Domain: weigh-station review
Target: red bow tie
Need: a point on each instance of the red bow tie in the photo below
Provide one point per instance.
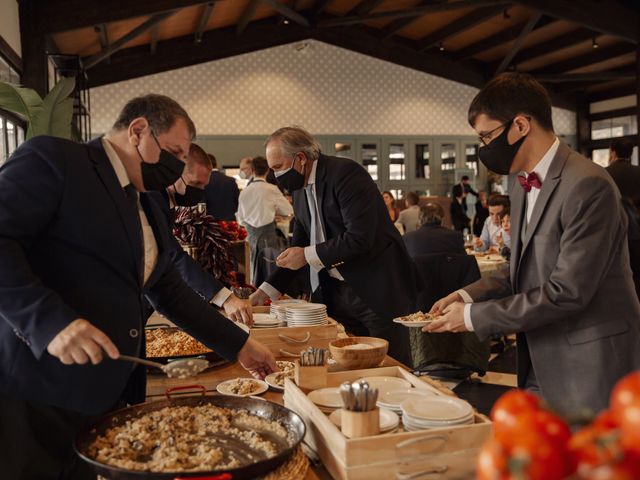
(531, 180)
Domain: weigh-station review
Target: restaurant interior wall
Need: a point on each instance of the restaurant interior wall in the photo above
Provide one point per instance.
(10, 24)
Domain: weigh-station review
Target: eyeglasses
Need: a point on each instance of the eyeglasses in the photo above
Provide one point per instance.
(486, 138)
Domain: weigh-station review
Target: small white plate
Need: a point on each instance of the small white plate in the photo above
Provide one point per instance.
(436, 409)
(386, 384)
(388, 419)
(225, 387)
(412, 324)
(326, 397)
(271, 381)
(393, 398)
(264, 319)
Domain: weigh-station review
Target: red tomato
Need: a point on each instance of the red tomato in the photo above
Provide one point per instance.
(629, 420)
(512, 403)
(539, 421)
(626, 392)
(605, 420)
(618, 471)
(534, 457)
(492, 461)
(594, 445)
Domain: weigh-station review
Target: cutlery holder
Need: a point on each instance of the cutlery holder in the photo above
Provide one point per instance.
(310, 378)
(360, 424)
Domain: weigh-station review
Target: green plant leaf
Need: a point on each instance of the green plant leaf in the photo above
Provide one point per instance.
(61, 119)
(24, 102)
(57, 111)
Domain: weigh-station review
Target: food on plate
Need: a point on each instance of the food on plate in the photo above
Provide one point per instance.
(417, 317)
(243, 386)
(279, 377)
(169, 342)
(285, 366)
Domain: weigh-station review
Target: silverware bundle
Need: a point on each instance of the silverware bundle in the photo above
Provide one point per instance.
(358, 396)
(313, 357)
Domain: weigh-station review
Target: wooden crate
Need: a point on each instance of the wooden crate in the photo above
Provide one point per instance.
(445, 452)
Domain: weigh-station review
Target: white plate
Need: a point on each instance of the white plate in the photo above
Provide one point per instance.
(306, 306)
(393, 398)
(412, 324)
(271, 381)
(264, 319)
(326, 397)
(224, 387)
(388, 419)
(436, 408)
(386, 384)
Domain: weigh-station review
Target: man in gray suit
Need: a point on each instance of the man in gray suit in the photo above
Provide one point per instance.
(569, 294)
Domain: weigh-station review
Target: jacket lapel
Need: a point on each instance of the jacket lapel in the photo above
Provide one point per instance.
(302, 209)
(320, 190)
(517, 217)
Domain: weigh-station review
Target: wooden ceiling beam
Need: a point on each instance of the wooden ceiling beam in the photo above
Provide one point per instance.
(462, 24)
(597, 55)
(364, 7)
(607, 76)
(246, 16)
(153, 46)
(558, 43)
(517, 45)
(400, 23)
(103, 38)
(616, 92)
(204, 21)
(611, 18)
(408, 12)
(319, 7)
(288, 12)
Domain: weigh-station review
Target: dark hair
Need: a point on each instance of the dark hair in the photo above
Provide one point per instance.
(259, 166)
(198, 156)
(388, 193)
(457, 190)
(412, 198)
(511, 94)
(505, 211)
(622, 147)
(496, 200)
(160, 111)
(464, 178)
(214, 162)
(431, 214)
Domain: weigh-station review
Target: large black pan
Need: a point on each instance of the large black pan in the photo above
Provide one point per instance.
(271, 411)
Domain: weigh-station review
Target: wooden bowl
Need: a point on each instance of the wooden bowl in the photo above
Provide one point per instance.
(370, 354)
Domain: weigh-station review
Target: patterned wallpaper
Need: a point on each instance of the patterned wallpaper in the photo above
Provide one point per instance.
(326, 89)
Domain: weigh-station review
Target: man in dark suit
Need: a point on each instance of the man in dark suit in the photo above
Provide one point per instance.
(432, 237)
(465, 187)
(458, 216)
(343, 231)
(221, 195)
(573, 308)
(81, 247)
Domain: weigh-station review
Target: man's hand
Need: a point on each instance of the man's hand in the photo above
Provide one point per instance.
(257, 359)
(292, 258)
(258, 297)
(478, 242)
(439, 307)
(238, 310)
(80, 342)
(452, 320)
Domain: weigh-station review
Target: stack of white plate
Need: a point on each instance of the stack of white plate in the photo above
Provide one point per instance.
(326, 399)
(264, 320)
(277, 308)
(386, 384)
(306, 314)
(389, 420)
(435, 412)
(392, 399)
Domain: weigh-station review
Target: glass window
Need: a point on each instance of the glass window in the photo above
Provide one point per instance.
(396, 162)
(369, 153)
(20, 135)
(447, 156)
(471, 157)
(601, 157)
(3, 152)
(423, 170)
(614, 127)
(397, 194)
(634, 156)
(344, 150)
(11, 138)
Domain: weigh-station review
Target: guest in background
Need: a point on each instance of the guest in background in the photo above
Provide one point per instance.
(221, 195)
(390, 203)
(432, 237)
(458, 217)
(492, 228)
(245, 172)
(482, 213)
(505, 246)
(409, 218)
(467, 189)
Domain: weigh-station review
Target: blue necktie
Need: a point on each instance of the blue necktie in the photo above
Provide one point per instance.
(316, 235)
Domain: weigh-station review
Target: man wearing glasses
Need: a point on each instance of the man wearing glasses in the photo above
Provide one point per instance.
(570, 301)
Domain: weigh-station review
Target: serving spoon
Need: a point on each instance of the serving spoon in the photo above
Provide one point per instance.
(188, 367)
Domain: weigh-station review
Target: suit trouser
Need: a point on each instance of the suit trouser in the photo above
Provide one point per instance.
(345, 306)
(36, 442)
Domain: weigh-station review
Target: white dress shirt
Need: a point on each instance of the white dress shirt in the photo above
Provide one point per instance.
(541, 169)
(260, 202)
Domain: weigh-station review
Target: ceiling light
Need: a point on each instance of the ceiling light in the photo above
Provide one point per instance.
(594, 43)
(441, 47)
(286, 21)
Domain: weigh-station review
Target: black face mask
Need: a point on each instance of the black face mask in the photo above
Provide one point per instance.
(158, 176)
(290, 180)
(498, 155)
(192, 196)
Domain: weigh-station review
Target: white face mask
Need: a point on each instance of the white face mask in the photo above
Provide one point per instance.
(242, 175)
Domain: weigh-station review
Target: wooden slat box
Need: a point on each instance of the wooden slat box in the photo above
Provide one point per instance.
(448, 452)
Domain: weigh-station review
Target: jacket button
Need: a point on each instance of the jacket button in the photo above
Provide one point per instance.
(133, 333)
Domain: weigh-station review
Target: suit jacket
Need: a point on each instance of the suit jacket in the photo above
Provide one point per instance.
(71, 248)
(191, 272)
(568, 294)
(429, 239)
(458, 217)
(627, 178)
(221, 196)
(361, 242)
(482, 213)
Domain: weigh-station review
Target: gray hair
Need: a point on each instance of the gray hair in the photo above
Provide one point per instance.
(431, 214)
(296, 139)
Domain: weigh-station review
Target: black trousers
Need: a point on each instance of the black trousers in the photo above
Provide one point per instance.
(345, 306)
(36, 442)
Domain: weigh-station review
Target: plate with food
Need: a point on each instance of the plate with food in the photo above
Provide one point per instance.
(276, 380)
(242, 387)
(415, 320)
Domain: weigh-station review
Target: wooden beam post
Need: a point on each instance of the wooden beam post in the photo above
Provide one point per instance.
(287, 12)
(246, 16)
(34, 47)
(517, 45)
(204, 20)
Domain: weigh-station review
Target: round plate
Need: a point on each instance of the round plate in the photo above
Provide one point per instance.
(271, 381)
(386, 384)
(264, 319)
(225, 387)
(393, 398)
(436, 409)
(412, 324)
(388, 419)
(326, 397)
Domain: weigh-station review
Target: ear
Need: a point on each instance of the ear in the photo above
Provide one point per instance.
(523, 124)
(136, 127)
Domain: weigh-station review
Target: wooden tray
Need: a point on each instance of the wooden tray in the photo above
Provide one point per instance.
(448, 452)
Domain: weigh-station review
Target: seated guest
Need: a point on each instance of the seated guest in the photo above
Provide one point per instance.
(432, 237)
(482, 213)
(458, 217)
(409, 218)
(505, 247)
(390, 203)
(492, 230)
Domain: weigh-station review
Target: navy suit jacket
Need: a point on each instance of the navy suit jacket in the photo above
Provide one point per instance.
(430, 239)
(221, 196)
(361, 242)
(70, 248)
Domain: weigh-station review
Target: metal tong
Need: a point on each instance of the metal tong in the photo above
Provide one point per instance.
(313, 357)
(358, 396)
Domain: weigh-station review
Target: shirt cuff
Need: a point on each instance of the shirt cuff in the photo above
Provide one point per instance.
(221, 297)
(273, 293)
(312, 258)
(466, 298)
(467, 317)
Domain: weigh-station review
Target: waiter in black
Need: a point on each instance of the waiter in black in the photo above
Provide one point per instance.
(343, 232)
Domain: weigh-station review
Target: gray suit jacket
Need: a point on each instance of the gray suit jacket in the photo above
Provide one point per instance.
(569, 294)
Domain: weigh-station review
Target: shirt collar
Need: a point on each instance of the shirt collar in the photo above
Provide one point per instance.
(312, 175)
(116, 163)
(542, 168)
